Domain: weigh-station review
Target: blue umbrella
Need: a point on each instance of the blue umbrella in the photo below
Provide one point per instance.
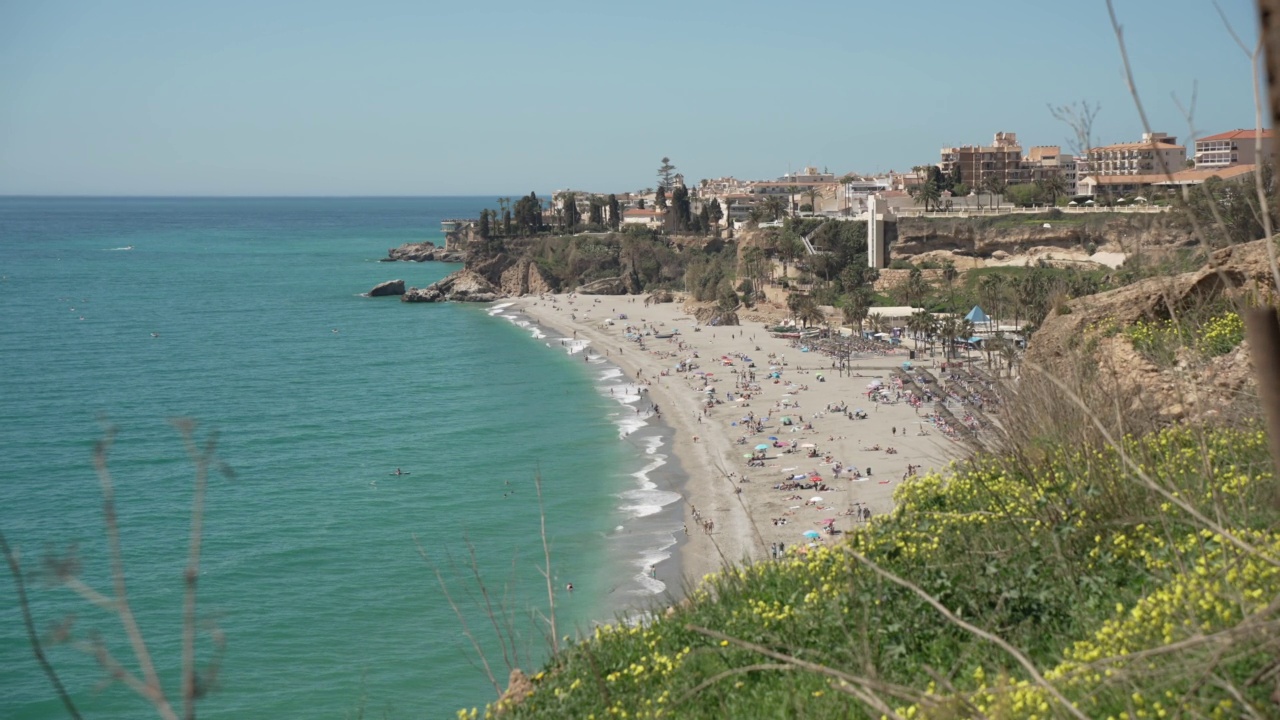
(812, 534)
(762, 446)
(773, 438)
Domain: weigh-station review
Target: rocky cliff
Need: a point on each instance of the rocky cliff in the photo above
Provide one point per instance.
(1018, 234)
(1088, 333)
(486, 281)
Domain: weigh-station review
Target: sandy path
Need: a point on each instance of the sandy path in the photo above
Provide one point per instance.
(706, 444)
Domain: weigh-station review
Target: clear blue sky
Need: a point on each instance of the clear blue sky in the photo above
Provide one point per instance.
(382, 97)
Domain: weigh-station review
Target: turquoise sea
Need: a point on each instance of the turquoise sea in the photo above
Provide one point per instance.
(246, 315)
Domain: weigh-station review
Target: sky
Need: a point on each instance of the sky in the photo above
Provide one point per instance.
(384, 97)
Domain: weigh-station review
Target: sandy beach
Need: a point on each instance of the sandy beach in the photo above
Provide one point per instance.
(751, 516)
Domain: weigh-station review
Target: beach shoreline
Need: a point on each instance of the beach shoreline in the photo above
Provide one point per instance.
(751, 518)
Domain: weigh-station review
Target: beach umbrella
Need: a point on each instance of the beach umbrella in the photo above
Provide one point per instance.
(828, 521)
(812, 534)
(762, 446)
(773, 437)
(815, 498)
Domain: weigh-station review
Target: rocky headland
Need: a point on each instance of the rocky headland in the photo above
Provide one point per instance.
(423, 252)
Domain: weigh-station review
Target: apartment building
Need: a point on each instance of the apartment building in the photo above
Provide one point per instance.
(1044, 161)
(1001, 159)
(1155, 153)
(1234, 147)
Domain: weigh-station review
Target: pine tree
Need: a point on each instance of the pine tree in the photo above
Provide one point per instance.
(660, 200)
(665, 172)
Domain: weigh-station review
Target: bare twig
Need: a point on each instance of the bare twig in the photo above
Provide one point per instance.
(730, 673)
(462, 620)
(154, 691)
(546, 552)
(192, 574)
(37, 649)
(875, 702)
(996, 639)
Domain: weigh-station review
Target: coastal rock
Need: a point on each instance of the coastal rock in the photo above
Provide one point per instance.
(390, 287)
(519, 687)
(462, 286)
(422, 252)
(524, 278)
(604, 286)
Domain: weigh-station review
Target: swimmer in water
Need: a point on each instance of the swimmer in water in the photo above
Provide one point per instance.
(569, 587)
(398, 472)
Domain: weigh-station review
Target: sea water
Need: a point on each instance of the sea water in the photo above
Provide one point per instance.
(321, 570)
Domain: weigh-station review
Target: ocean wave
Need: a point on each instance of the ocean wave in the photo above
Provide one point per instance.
(499, 308)
(611, 373)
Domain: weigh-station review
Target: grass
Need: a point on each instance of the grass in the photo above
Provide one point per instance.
(1128, 604)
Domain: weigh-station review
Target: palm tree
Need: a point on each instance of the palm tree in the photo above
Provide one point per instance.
(855, 307)
(774, 206)
(1053, 185)
(927, 194)
(877, 322)
(813, 194)
(949, 275)
(916, 286)
(996, 186)
(810, 314)
(792, 191)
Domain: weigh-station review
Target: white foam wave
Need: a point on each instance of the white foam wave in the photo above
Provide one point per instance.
(537, 334)
(610, 374)
(651, 444)
(576, 346)
(648, 501)
(649, 557)
(499, 308)
(628, 424)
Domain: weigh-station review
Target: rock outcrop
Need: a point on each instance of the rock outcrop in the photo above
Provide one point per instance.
(604, 286)
(1087, 332)
(986, 237)
(422, 252)
(523, 278)
(390, 287)
(462, 286)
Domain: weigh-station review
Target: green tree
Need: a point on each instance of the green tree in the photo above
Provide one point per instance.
(681, 213)
(1052, 187)
(1023, 195)
(813, 193)
(996, 186)
(774, 207)
(955, 180)
(949, 275)
(917, 287)
(665, 172)
(790, 248)
(595, 217)
(615, 212)
(855, 307)
(792, 191)
(484, 224)
(570, 216)
(927, 194)
(714, 214)
(660, 200)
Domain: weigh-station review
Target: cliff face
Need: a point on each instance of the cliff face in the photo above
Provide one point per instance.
(422, 252)
(486, 281)
(1017, 234)
(1088, 333)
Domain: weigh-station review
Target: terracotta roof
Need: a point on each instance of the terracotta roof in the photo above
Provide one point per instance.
(1138, 146)
(1180, 177)
(1236, 135)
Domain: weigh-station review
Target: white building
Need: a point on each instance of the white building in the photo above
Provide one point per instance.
(1235, 147)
